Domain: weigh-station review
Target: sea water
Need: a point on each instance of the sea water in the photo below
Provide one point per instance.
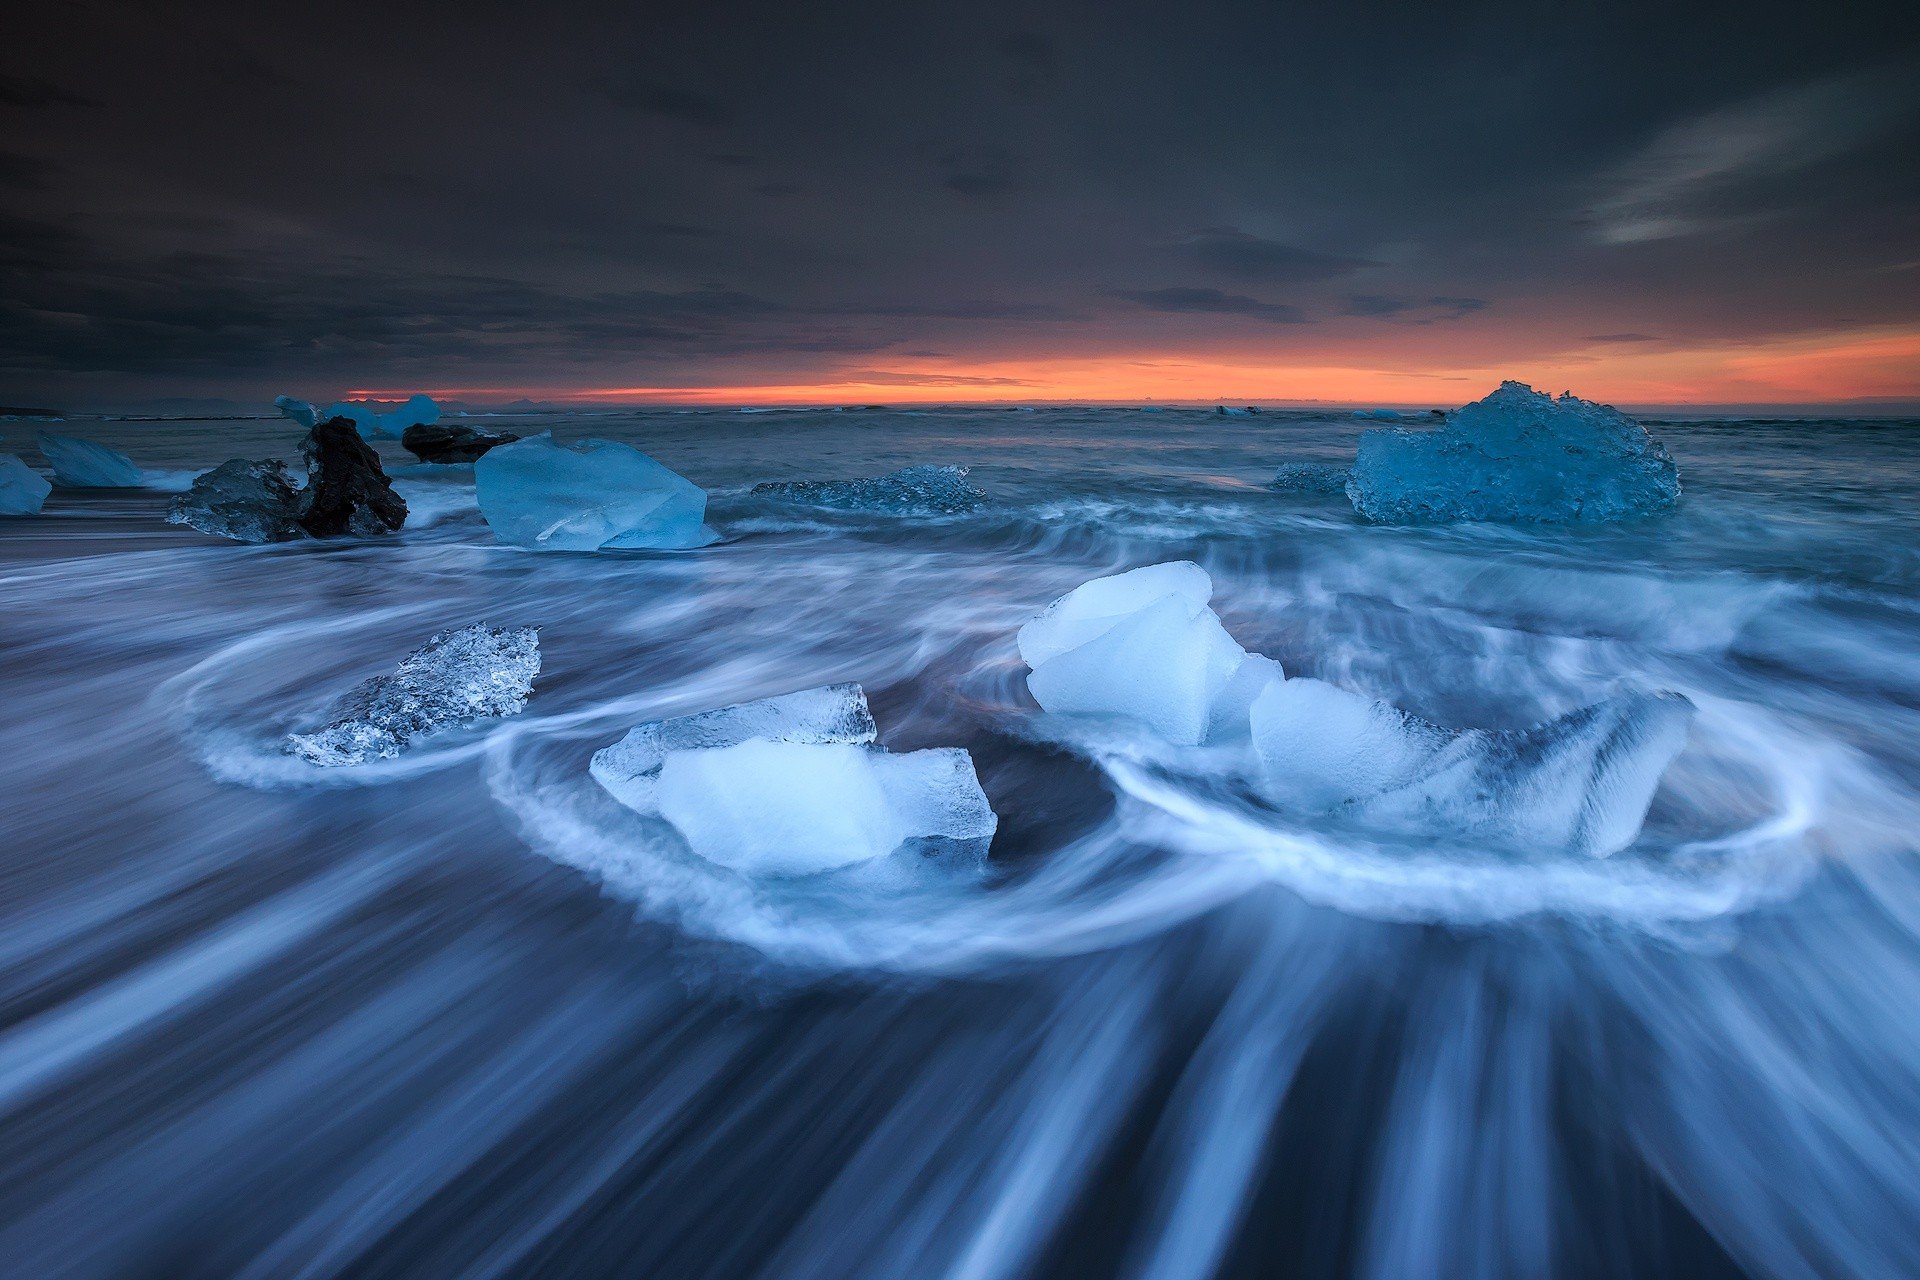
(458, 1012)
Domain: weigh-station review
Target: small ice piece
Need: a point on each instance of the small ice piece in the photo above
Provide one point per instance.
(922, 490)
(1515, 456)
(1581, 783)
(794, 785)
(22, 489)
(1322, 746)
(84, 464)
(587, 495)
(242, 499)
(457, 677)
(299, 411)
(1143, 645)
(1379, 415)
(1096, 606)
(1309, 477)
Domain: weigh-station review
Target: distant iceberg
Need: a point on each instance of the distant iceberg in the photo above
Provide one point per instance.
(1516, 456)
(1144, 646)
(795, 785)
(23, 491)
(1579, 784)
(922, 490)
(457, 677)
(84, 464)
(587, 495)
(299, 411)
(377, 424)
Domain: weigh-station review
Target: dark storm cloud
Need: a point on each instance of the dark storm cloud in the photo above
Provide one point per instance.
(1233, 252)
(675, 104)
(1191, 301)
(29, 92)
(712, 192)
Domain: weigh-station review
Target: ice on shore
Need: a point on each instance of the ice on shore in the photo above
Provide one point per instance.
(1580, 784)
(587, 495)
(85, 464)
(1143, 646)
(921, 490)
(23, 491)
(795, 785)
(244, 499)
(1518, 456)
(457, 677)
(299, 411)
(376, 424)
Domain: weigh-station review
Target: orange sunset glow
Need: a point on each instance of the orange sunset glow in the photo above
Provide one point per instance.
(1813, 368)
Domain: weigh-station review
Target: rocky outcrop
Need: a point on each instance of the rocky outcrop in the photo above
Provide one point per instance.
(435, 443)
(347, 492)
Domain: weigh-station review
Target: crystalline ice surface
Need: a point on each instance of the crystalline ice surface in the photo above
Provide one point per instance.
(83, 464)
(793, 785)
(299, 410)
(587, 495)
(457, 677)
(1143, 646)
(248, 501)
(1095, 607)
(1322, 746)
(1516, 456)
(923, 490)
(22, 489)
(1579, 784)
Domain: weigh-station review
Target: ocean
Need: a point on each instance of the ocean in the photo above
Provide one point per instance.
(450, 1015)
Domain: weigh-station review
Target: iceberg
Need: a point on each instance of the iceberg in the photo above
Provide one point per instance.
(22, 489)
(1580, 784)
(457, 677)
(391, 424)
(84, 464)
(242, 499)
(299, 410)
(922, 490)
(1144, 646)
(587, 495)
(1516, 456)
(796, 785)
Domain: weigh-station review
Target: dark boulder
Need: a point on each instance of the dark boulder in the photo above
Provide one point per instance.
(347, 492)
(437, 443)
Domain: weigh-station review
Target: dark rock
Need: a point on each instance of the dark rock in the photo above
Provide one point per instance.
(347, 492)
(436, 443)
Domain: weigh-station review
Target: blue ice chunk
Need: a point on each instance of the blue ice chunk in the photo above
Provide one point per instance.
(376, 424)
(587, 495)
(299, 410)
(1579, 784)
(84, 464)
(1516, 456)
(22, 489)
(795, 785)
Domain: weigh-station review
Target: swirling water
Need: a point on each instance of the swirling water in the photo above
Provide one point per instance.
(454, 1014)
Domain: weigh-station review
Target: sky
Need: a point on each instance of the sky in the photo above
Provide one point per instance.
(840, 202)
